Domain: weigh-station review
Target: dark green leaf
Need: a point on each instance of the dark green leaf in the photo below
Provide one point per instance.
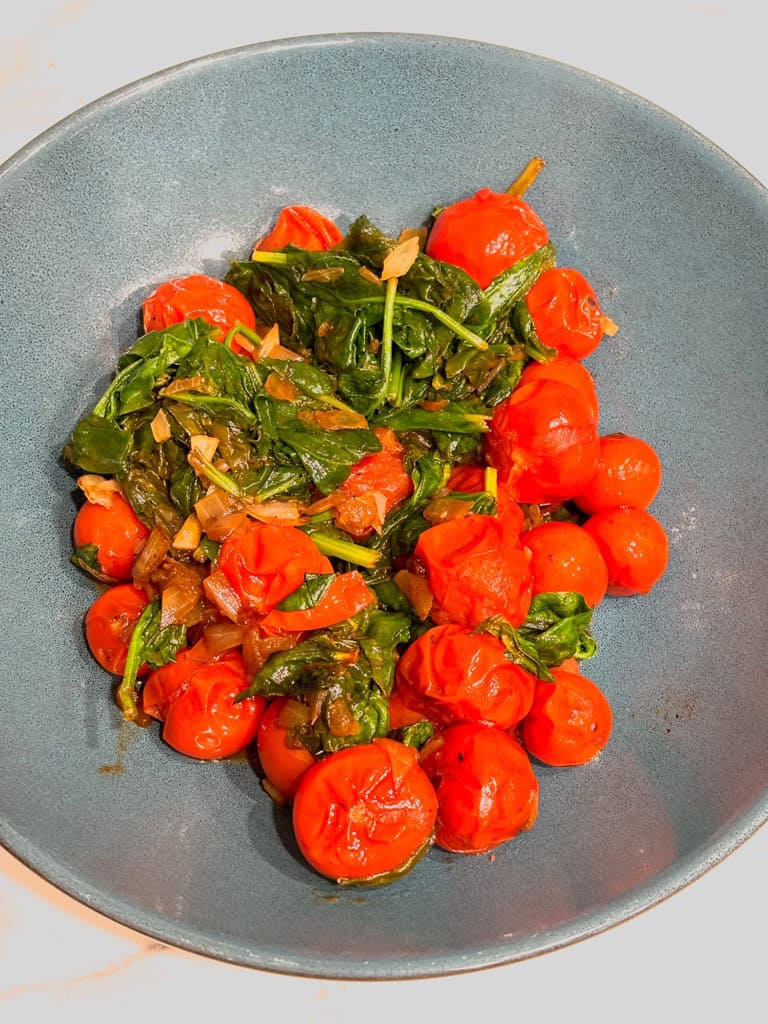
(309, 594)
(98, 445)
(328, 456)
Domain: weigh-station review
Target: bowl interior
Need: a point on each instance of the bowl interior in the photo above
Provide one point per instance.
(183, 172)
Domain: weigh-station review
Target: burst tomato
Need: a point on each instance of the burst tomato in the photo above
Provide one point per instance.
(570, 721)
(302, 227)
(115, 531)
(567, 371)
(565, 312)
(346, 596)
(197, 295)
(109, 625)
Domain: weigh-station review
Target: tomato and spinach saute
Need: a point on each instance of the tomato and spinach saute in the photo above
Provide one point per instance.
(352, 513)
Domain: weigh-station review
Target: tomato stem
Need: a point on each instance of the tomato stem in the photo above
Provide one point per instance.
(523, 181)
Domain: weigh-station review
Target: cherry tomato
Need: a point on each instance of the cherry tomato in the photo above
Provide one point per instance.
(567, 371)
(197, 295)
(265, 563)
(471, 480)
(381, 472)
(365, 813)
(456, 675)
(475, 568)
(628, 473)
(543, 440)
(284, 760)
(346, 596)
(109, 625)
(566, 557)
(570, 721)
(203, 721)
(485, 234)
(565, 312)
(302, 227)
(168, 682)
(486, 789)
(635, 548)
(116, 532)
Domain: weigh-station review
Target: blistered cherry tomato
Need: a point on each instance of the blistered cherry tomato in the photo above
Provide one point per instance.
(109, 625)
(302, 227)
(265, 563)
(565, 312)
(197, 295)
(487, 791)
(365, 813)
(456, 675)
(567, 371)
(204, 721)
(628, 473)
(570, 721)
(346, 596)
(566, 557)
(283, 759)
(168, 682)
(485, 234)
(115, 531)
(635, 548)
(476, 568)
(543, 440)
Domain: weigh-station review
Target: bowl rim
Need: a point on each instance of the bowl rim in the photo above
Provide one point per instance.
(653, 892)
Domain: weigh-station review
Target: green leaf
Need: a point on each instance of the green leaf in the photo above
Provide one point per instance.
(558, 624)
(86, 557)
(513, 284)
(385, 632)
(328, 456)
(526, 331)
(98, 445)
(414, 735)
(151, 644)
(309, 594)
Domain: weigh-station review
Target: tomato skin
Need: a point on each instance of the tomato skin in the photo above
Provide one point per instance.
(565, 312)
(456, 675)
(628, 473)
(163, 685)
(565, 557)
(115, 530)
(203, 721)
(197, 295)
(346, 596)
(284, 765)
(471, 479)
(265, 563)
(487, 791)
(567, 371)
(364, 811)
(635, 548)
(543, 440)
(485, 234)
(382, 471)
(401, 712)
(302, 227)
(475, 568)
(109, 625)
(570, 721)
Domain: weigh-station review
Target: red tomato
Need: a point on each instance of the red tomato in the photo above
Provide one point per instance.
(365, 811)
(543, 440)
(485, 234)
(346, 596)
(117, 533)
(634, 546)
(565, 557)
(628, 473)
(203, 721)
(266, 563)
(302, 227)
(565, 312)
(456, 675)
(109, 625)
(486, 790)
(475, 568)
(567, 371)
(284, 761)
(197, 295)
(381, 472)
(168, 682)
(471, 480)
(570, 721)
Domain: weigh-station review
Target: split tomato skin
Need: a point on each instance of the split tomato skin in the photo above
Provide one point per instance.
(197, 295)
(456, 675)
(116, 532)
(284, 763)
(476, 568)
(364, 814)
(565, 312)
(543, 440)
(486, 788)
(302, 227)
(109, 625)
(570, 721)
(628, 473)
(634, 546)
(565, 557)
(486, 234)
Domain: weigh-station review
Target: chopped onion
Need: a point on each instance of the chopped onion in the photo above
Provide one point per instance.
(188, 537)
(292, 713)
(223, 636)
(151, 555)
(279, 388)
(399, 260)
(441, 510)
(340, 719)
(160, 427)
(257, 648)
(203, 446)
(183, 384)
(98, 490)
(416, 589)
(223, 595)
(282, 513)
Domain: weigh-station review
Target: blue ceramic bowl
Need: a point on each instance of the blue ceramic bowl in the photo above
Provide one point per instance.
(180, 173)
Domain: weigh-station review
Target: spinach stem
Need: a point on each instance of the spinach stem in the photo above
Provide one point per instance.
(216, 476)
(126, 691)
(356, 554)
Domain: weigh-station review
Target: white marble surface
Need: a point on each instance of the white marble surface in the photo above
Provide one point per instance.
(700, 956)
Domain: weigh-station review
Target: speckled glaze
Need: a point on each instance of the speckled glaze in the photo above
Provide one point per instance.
(180, 173)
